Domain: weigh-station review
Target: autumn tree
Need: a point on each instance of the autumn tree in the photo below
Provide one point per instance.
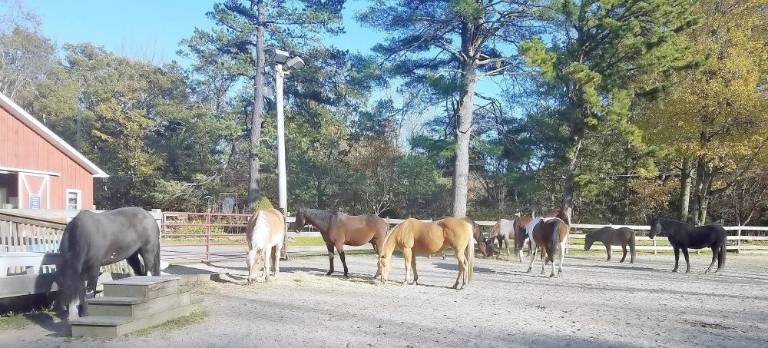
(712, 119)
(598, 54)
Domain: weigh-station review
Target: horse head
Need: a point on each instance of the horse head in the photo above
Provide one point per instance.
(655, 224)
(301, 220)
(486, 246)
(588, 241)
(384, 268)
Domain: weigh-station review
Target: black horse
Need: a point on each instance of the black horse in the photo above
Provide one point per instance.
(92, 240)
(611, 236)
(681, 236)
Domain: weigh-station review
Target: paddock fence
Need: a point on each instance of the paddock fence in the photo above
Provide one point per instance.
(190, 236)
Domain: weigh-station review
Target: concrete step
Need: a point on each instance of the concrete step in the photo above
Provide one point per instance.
(142, 287)
(114, 326)
(134, 307)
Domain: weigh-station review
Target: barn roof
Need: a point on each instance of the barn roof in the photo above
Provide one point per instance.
(39, 128)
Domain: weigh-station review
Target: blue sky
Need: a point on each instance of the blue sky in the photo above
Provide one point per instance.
(151, 30)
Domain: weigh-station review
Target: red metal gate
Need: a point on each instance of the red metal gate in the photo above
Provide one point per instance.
(202, 236)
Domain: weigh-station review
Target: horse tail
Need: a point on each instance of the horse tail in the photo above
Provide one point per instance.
(632, 247)
(723, 250)
(470, 252)
(157, 267)
(554, 241)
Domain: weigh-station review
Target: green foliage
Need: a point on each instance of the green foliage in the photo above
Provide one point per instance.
(263, 204)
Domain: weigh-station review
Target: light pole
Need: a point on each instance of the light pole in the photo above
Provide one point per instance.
(281, 57)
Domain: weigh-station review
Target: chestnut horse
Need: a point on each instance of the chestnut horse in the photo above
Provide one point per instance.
(339, 229)
(265, 234)
(414, 237)
(550, 236)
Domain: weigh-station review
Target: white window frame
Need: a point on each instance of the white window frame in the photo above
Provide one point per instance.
(79, 198)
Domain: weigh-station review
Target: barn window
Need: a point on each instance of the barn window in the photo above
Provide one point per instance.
(74, 201)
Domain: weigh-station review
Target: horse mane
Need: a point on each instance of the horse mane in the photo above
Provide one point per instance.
(319, 217)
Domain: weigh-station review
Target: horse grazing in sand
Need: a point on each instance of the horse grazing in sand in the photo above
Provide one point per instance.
(339, 229)
(682, 236)
(613, 236)
(265, 235)
(482, 244)
(92, 240)
(414, 237)
(549, 235)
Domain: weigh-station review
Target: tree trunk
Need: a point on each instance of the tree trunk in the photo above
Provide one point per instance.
(570, 177)
(698, 191)
(257, 114)
(464, 124)
(685, 189)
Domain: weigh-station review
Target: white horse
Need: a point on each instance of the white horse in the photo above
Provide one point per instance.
(265, 235)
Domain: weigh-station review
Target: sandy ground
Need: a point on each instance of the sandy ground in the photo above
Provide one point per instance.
(594, 303)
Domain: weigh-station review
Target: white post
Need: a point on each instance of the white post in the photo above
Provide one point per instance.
(282, 184)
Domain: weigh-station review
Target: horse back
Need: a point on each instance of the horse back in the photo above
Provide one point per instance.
(706, 236)
(265, 226)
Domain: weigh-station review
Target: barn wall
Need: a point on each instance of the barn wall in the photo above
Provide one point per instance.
(21, 147)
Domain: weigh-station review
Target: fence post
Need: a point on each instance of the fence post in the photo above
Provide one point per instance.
(284, 251)
(738, 240)
(655, 249)
(207, 236)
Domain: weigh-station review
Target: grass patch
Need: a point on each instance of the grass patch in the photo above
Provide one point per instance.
(13, 321)
(306, 241)
(197, 316)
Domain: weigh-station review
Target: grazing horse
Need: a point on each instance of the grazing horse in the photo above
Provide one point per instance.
(339, 229)
(92, 240)
(502, 232)
(611, 236)
(414, 237)
(550, 235)
(682, 236)
(265, 235)
(482, 244)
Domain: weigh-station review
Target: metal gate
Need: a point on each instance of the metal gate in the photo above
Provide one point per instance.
(202, 236)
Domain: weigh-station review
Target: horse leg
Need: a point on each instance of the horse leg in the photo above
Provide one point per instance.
(413, 268)
(135, 264)
(90, 289)
(462, 263)
(687, 262)
(150, 266)
(563, 246)
(545, 258)
(714, 257)
(343, 258)
(330, 257)
(407, 257)
(533, 255)
(377, 249)
(251, 261)
(608, 250)
(624, 250)
(266, 253)
(276, 259)
(677, 258)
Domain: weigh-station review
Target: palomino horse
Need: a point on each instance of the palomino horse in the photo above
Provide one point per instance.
(92, 240)
(265, 234)
(482, 244)
(414, 237)
(682, 236)
(550, 235)
(340, 229)
(611, 236)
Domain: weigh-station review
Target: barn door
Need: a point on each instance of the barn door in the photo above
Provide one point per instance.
(35, 189)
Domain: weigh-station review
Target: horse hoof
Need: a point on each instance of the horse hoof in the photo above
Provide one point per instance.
(329, 273)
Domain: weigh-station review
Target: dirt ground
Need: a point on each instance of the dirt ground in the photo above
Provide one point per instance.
(594, 303)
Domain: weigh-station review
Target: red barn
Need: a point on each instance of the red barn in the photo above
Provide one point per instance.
(39, 170)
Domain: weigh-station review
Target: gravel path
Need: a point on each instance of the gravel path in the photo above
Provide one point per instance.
(594, 303)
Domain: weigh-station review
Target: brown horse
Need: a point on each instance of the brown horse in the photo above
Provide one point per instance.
(613, 236)
(549, 235)
(414, 237)
(265, 235)
(339, 229)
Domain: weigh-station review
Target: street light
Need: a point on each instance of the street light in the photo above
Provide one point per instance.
(281, 58)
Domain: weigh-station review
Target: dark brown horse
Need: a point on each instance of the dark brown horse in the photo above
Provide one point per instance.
(520, 229)
(550, 235)
(611, 236)
(339, 229)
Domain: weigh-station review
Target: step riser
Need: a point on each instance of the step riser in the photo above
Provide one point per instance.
(131, 326)
(140, 310)
(141, 291)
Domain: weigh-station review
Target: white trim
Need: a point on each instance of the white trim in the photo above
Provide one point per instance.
(44, 185)
(79, 198)
(31, 122)
(28, 171)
